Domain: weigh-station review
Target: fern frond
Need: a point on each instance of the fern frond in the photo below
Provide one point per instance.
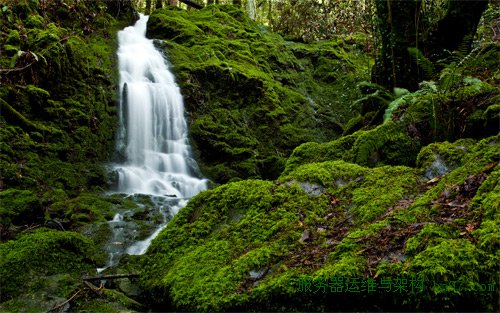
(428, 85)
(422, 61)
(393, 106)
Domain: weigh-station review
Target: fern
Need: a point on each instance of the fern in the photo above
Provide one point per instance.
(474, 82)
(428, 86)
(393, 106)
(450, 78)
(424, 63)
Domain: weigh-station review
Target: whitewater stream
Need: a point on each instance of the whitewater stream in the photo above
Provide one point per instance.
(153, 135)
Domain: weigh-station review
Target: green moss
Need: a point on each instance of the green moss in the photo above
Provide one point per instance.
(58, 117)
(109, 300)
(439, 158)
(28, 262)
(354, 124)
(428, 236)
(379, 221)
(34, 21)
(313, 152)
(14, 37)
(19, 207)
(255, 226)
(451, 259)
(387, 144)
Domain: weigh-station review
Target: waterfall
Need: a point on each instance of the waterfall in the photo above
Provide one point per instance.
(153, 133)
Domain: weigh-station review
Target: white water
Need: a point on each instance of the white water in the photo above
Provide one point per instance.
(153, 132)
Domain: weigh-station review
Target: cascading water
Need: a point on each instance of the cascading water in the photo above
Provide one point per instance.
(153, 132)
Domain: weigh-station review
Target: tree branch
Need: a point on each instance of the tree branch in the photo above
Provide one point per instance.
(107, 277)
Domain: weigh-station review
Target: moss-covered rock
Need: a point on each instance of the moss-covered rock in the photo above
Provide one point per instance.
(19, 207)
(58, 94)
(242, 83)
(387, 144)
(440, 158)
(29, 263)
(248, 245)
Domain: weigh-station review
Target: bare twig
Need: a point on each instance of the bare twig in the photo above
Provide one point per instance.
(61, 305)
(9, 70)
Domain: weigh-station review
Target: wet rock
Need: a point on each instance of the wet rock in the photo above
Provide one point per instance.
(310, 189)
(305, 236)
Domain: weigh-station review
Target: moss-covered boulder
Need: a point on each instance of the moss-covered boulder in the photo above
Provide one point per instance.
(440, 158)
(252, 245)
(387, 144)
(19, 207)
(57, 93)
(46, 264)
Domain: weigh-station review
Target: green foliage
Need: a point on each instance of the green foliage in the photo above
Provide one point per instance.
(424, 63)
(317, 20)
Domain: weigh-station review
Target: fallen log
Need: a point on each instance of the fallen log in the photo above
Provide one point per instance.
(108, 277)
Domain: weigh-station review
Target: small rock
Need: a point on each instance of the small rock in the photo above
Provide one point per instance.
(321, 230)
(331, 241)
(328, 216)
(305, 236)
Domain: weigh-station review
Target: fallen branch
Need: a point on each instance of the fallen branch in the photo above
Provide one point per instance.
(60, 306)
(94, 288)
(17, 69)
(107, 277)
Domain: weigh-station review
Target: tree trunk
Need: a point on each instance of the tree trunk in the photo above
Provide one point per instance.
(173, 2)
(159, 4)
(148, 7)
(457, 29)
(397, 22)
(400, 25)
(270, 13)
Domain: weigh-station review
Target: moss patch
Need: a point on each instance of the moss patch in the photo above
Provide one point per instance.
(29, 263)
